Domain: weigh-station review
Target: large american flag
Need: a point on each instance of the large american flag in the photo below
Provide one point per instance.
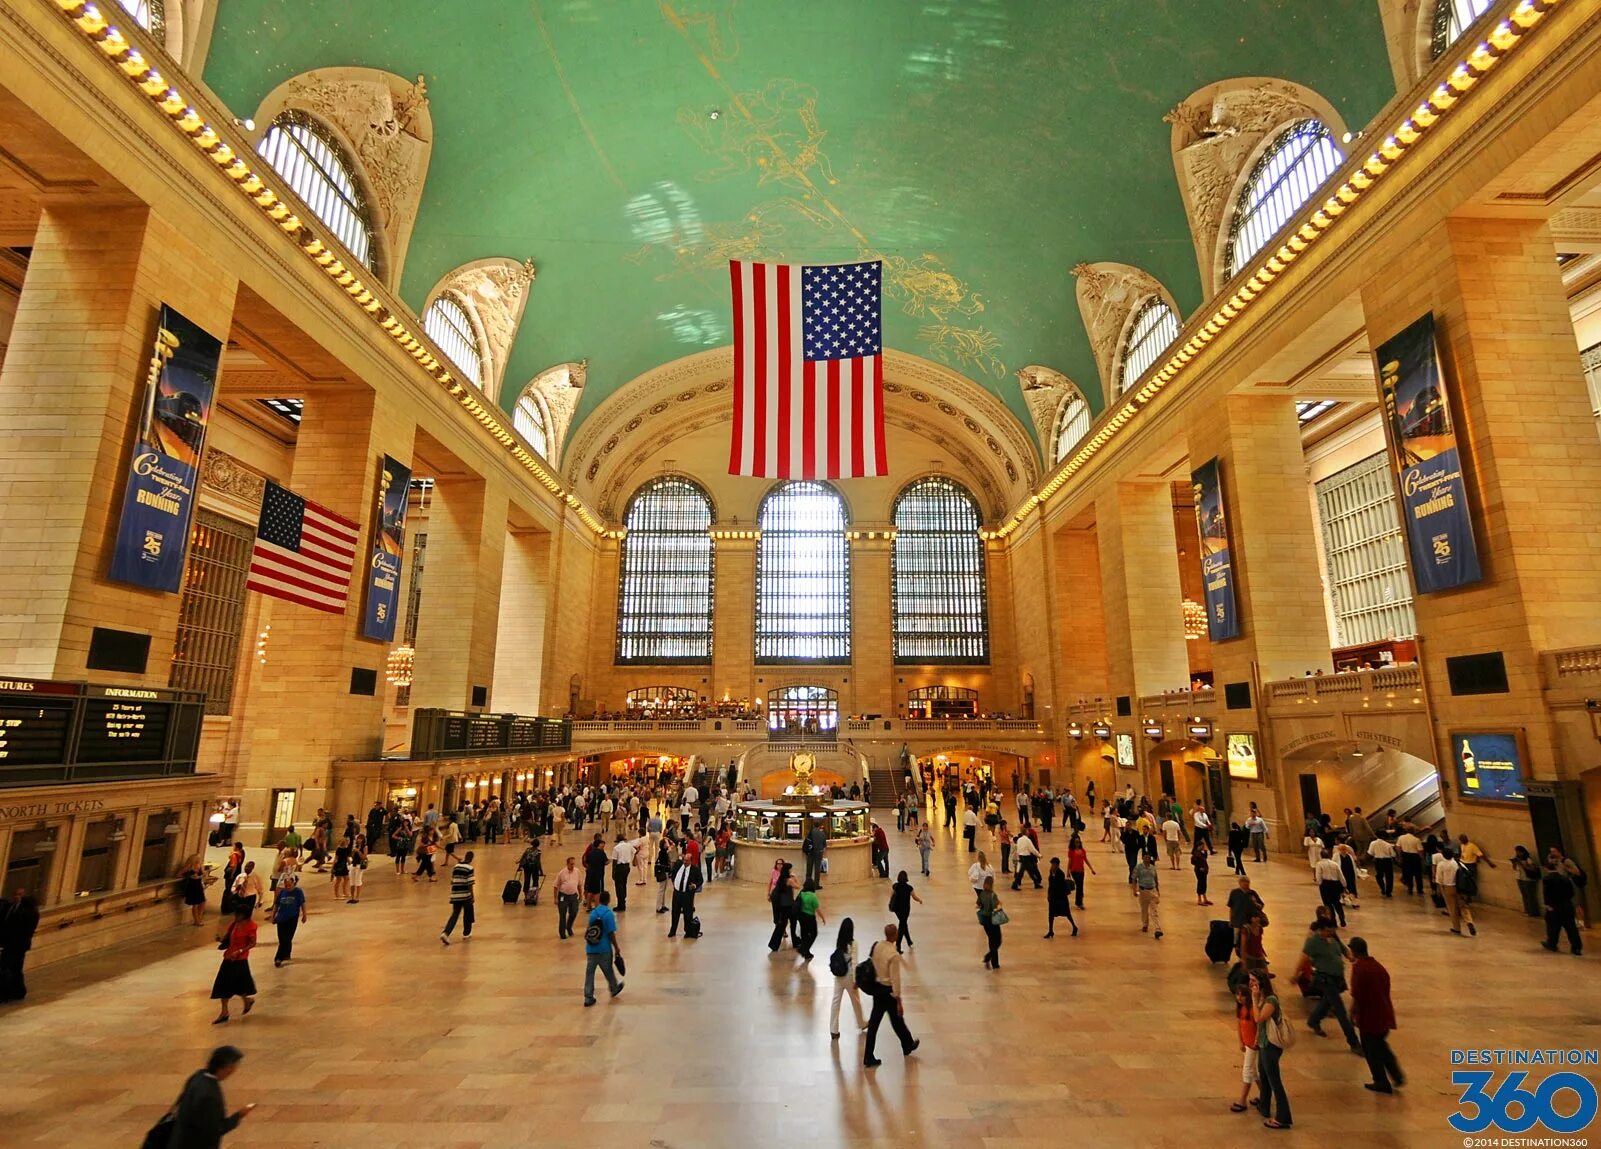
(303, 552)
(808, 370)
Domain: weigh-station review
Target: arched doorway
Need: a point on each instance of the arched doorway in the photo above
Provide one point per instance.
(942, 702)
(802, 711)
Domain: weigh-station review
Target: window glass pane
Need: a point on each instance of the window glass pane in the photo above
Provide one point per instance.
(1072, 424)
(1152, 332)
(802, 710)
(97, 865)
(1369, 585)
(313, 163)
(1287, 176)
(529, 420)
(148, 14)
(664, 606)
(940, 601)
(1454, 17)
(449, 326)
(155, 849)
(803, 582)
(29, 862)
(211, 610)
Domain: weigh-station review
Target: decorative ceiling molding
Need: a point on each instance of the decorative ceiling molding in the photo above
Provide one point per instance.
(385, 122)
(1218, 132)
(966, 420)
(1107, 294)
(1045, 390)
(1409, 33)
(559, 389)
(496, 292)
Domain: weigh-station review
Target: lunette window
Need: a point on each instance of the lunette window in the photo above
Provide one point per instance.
(307, 154)
(451, 328)
(1297, 163)
(664, 594)
(1151, 332)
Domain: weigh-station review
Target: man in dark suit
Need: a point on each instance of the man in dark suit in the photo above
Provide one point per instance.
(200, 1119)
(687, 882)
(19, 918)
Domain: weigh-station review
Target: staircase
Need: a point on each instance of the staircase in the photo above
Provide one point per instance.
(885, 791)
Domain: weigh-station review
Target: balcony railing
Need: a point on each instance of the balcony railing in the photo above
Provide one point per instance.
(1346, 686)
(1568, 666)
(862, 727)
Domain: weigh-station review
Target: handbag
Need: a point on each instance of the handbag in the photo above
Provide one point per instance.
(824, 865)
(999, 918)
(160, 1134)
(1279, 1031)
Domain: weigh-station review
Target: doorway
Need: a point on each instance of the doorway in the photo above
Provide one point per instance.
(1311, 803)
(280, 816)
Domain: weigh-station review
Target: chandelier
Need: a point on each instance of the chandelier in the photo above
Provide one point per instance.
(401, 659)
(1194, 619)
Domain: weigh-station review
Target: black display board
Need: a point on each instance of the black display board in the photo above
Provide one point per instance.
(456, 734)
(75, 731)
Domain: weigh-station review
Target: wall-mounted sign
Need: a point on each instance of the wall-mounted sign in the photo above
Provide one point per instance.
(159, 502)
(1428, 465)
(388, 544)
(1241, 750)
(1217, 567)
(1125, 749)
(1489, 765)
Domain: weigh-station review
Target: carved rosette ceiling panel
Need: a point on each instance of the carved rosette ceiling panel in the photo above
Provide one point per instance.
(1107, 293)
(966, 421)
(385, 119)
(232, 481)
(496, 292)
(1045, 390)
(560, 387)
(1216, 134)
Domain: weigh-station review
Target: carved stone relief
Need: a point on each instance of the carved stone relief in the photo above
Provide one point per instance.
(1107, 293)
(227, 478)
(385, 120)
(496, 292)
(1217, 134)
(1043, 391)
(560, 387)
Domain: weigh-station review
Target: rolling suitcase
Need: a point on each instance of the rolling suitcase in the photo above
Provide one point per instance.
(1219, 941)
(692, 928)
(531, 898)
(513, 891)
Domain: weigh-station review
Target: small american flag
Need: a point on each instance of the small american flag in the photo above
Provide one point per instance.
(303, 552)
(808, 370)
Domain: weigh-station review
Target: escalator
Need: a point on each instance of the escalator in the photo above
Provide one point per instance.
(1420, 804)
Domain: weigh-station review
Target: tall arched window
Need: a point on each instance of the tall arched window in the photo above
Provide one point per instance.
(940, 603)
(310, 157)
(1452, 18)
(450, 327)
(664, 595)
(1151, 332)
(1072, 424)
(1287, 176)
(803, 577)
(532, 423)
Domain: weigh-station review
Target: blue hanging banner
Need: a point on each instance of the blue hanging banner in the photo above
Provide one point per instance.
(388, 545)
(1217, 568)
(159, 503)
(1428, 466)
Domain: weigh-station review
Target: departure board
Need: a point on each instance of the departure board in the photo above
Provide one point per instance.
(35, 731)
(124, 730)
(453, 733)
(48, 730)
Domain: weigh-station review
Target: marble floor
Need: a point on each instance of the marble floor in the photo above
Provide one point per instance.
(379, 1037)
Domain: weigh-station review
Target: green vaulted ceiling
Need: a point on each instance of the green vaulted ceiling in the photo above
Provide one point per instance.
(980, 147)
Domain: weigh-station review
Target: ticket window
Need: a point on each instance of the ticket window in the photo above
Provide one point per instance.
(156, 845)
(97, 864)
(30, 862)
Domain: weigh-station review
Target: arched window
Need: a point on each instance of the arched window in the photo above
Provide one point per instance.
(151, 15)
(1072, 424)
(531, 422)
(1287, 176)
(803, 578)
(939, 600)
(451, 329)
(1452, 18)
(308, 155)
(1150, 333)
(802, 710)
(664, 591)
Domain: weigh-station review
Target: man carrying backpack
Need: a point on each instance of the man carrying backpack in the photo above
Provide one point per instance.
(880, 977)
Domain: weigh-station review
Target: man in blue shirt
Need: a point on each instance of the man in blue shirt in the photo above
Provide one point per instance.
(600, 944)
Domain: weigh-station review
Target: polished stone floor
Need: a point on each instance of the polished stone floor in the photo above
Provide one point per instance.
(379, 1037)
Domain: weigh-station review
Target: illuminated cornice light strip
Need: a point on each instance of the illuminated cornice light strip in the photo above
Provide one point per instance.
(235, 165)
(1502, 39)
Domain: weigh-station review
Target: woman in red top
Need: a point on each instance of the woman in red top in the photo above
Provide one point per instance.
(233, 976)
(1077, 860)
(1246, 1017)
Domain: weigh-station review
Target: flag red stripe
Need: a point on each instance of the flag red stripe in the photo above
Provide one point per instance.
(858, 415)
(833, 419)
(785, 379)
(328, 572)
(329, 523)
(737, 442)
(277, 585)
(295, 598)
(758, 284)
(809, 426)
(878, 413)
